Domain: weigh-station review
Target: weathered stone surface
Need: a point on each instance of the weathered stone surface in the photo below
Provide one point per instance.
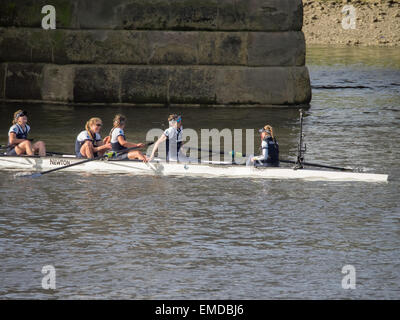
(256, 15)
(28, 13)
(32, 45)
(248, 86)
(159, 84)
(222, 48)
(193, 15)
(97, 84)
(199, 52)
(272, 85)
(276, 49)
(58, 83)
(3, 70)
(172, 47)
(260, 15)
(192, 85)
(153, 47)
(24, 81)
(104, 46)
(301, 85)
(144, 85)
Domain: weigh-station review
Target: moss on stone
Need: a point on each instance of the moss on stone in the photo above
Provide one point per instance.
(64, 13)
(29, 13)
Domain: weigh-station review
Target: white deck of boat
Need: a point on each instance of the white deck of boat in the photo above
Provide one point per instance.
(181, 169)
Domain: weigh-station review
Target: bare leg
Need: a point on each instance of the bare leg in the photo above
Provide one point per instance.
(24, 148)
(40, 147)
(136, 155)
(87, 150)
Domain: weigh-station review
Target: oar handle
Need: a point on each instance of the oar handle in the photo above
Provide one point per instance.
(54, 152)
(130, 149)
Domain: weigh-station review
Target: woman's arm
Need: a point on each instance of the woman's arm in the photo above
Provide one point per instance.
(13, 139)
(127, 144)
(160, 140)
(102, 146)
(107, 140)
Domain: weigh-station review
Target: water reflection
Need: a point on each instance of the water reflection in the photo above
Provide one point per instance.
(353, 56)
(58, 125)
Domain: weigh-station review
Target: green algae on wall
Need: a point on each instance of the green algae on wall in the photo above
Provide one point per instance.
(28, 13)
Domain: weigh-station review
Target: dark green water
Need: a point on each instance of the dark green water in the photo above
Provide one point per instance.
(123, 236)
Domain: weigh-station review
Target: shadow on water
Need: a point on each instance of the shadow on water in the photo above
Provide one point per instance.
(58, 125)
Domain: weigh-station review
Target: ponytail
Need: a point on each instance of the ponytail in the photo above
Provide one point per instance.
(172, 117)
(119, 120)
(87, 127)
(17, 114)
(269, 128)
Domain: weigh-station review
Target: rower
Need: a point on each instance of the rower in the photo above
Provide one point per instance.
(173, 139)
(88, 143)
(119, 142)
(18, 142)
(270, 149)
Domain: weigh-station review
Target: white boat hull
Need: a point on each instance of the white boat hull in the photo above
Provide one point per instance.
(181, 169)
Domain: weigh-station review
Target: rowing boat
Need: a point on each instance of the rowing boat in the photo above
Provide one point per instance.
(158, 167)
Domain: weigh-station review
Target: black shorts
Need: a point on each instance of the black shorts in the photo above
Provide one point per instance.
(123, 156)
(11, 152)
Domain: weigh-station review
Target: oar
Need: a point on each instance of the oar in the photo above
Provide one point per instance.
(38, 174)
(239, 154)
(317, 165)
(231, 153)
(54, 152)
(4, 147)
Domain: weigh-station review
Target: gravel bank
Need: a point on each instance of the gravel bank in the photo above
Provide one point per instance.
(377, 23)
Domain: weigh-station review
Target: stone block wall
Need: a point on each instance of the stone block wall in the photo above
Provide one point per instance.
(185, 52)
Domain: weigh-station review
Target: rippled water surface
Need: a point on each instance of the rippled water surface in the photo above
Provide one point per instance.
(125, 236)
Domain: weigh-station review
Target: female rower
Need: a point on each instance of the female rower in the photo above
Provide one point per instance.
(18, 142)
(119, 142)
(270, 148)
(88, 143)
(173, 138)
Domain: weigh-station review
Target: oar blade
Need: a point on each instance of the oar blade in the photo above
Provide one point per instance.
(31, 175)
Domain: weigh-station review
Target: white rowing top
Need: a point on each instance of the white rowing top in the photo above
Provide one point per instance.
(116, 133)
(16, 128)
(174, 136)
(84, 135)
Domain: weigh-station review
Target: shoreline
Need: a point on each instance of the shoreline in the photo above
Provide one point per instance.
(375, 23)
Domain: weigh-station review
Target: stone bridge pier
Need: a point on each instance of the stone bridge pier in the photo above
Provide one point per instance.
(155, 52)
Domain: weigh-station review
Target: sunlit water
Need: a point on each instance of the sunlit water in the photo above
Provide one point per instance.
(125, 236)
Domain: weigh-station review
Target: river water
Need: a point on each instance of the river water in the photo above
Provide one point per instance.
(133, 237)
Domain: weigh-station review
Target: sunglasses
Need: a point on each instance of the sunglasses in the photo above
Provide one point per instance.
(99, 125)
(21, 114)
